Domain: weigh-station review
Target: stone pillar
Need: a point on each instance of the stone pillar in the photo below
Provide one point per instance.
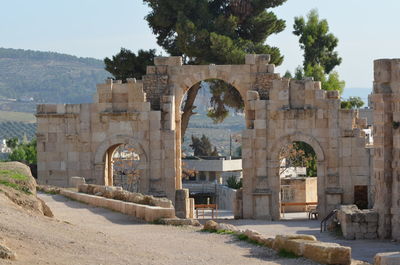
(182, 204)
(383, 145)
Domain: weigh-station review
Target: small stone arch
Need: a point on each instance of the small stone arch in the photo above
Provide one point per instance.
(111, 143)
(274, 162)
(297, 137)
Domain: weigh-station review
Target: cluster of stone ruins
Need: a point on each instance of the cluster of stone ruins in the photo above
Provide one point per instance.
(79, 139)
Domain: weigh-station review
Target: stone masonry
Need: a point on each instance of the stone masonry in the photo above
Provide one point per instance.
(78, 140)
(386, 159)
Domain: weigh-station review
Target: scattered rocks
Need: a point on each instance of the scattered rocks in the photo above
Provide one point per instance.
(6, 253)
(210, 225)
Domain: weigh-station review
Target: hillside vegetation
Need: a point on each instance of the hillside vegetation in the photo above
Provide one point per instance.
(10, 129)
(47, 77)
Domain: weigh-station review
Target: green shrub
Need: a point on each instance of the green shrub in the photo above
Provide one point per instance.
(233, 183)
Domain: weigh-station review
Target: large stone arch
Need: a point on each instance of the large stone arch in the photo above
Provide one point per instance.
(187, 76)
(273, 161)
(110, 143)
(231, 74)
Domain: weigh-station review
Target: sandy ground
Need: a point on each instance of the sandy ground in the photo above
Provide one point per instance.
(81, 234)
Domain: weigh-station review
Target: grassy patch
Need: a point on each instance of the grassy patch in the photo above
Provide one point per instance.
(15, 186)
(287, 254)
(13, 174)
(224, 232)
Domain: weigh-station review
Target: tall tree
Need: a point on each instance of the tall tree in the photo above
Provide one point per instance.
(220, 32)
(126, 64)
(316, 41)
(203, 147)
(320, 57)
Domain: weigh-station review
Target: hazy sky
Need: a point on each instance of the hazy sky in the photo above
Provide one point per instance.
(367, 30)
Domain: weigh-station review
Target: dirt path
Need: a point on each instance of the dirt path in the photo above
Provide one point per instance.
(90, 235)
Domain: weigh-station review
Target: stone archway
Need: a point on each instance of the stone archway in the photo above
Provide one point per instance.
(182, 88)
(102, 159)
(274, 162)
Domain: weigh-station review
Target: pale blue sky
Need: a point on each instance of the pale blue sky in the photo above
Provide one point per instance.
(367, 30)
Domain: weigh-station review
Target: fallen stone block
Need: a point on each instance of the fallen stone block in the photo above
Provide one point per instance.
(387, 258)
(327, 253)
(280, 240)
(210, 225)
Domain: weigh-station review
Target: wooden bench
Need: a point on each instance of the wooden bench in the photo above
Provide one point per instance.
(203, 207)
(307, 204)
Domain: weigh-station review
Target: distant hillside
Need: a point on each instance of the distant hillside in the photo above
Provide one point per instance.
(46, 77)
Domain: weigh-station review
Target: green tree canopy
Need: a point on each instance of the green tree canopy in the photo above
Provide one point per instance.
(203, 147)
(352, 103)
(126, 64)
(320, 57)
(219, 32)
(25, 153)
(316, 42)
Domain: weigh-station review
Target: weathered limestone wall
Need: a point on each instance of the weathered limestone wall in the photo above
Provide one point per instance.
(78, 140)
(301, 111)
(386, 105)
(73, 140)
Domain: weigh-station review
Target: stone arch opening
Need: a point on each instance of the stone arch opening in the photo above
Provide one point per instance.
(227, 140)
(298, 181)
(122, 167)
(121, 161)
(276, 162)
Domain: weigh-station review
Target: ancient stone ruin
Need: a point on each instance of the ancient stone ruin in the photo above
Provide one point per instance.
(79, 139)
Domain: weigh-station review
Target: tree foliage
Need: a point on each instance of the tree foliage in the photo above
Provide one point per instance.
(299, 154)
(352, 103)
(219, 32)
(126, 64)
(233, 183)
(316, 41)
(203, 147)
(320, 57)
(25, 153)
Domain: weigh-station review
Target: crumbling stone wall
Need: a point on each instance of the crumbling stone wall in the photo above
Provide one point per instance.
(358, 224)
(77, 140)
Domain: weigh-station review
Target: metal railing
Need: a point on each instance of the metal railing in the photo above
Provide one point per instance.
(325, 220)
